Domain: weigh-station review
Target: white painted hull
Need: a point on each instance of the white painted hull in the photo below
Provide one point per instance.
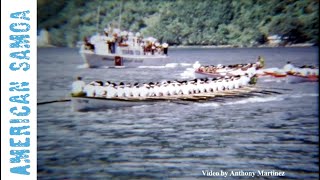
(205, 75)
(90, 103)
(108, 60)
(95, 103)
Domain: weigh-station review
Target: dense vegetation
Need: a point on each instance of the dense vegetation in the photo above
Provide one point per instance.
(184, 22)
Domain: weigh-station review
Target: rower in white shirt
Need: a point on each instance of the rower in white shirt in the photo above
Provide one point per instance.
(128, 90)
(244, 80)
(202, 86)
(121, 90)
(155, 91)
(185, 88)
(288, 67)
(219, 84)
(191, 85)
(172, 88)
(90, 89)
(112, 91)
(100, 91)
(213, 87)
(136, 90)
(236, 82)
(165, 89)
(144, 90)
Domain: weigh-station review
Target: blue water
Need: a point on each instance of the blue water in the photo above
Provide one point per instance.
(168, 140)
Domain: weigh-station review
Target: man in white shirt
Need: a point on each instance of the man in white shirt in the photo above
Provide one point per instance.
(77, 87)
(288, 67)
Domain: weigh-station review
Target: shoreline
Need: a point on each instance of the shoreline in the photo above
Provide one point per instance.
(41, 45)
(231, 46)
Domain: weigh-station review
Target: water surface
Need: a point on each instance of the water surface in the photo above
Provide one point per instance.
(169, 140)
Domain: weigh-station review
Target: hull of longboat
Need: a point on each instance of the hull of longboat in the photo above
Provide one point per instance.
(92, 103)
(96, 103)
(290, 78)
(301, 79)
(275, 74)
(94, 60)
(200, 74)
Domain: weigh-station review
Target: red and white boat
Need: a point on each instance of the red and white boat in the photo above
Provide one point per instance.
(229, 70)
(296, 76)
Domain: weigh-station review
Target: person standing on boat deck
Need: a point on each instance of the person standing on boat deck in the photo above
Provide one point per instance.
(78, 87)
(108, 40)
(165, 48)
(87, 44)
(288, 67)
(260, 62)
(153, 48)
(113, 43)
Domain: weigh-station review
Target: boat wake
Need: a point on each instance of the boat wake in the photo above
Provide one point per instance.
(151, 67)
(303, 95)
(256, 99)
(83, 66)
(185, 64)
(169, 65)
(270, 79)
(209, 104)
(190, 72)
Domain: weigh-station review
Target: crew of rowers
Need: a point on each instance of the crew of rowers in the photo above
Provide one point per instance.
(111, 39)
(159, 89)
(302, 70)
(236, 69)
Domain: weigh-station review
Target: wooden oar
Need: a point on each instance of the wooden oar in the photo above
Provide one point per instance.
(285, 89)
(54, 101)
(204, 95)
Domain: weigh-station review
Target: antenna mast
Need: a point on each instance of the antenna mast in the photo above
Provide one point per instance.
(120, 15)
(98, 16)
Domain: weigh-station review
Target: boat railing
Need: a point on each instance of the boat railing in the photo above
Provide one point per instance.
(127, 50)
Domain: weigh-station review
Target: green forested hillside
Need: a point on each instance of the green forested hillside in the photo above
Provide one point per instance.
(184, 22)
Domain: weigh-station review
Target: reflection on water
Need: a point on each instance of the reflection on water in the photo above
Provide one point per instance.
(167, 140)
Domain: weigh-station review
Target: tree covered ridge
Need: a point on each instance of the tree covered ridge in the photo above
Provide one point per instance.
(184, 22)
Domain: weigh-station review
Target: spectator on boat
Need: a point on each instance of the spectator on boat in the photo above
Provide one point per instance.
(165, 48)
(288, 67)
(78, 87)
(153, 48)
(157, 47)
(113, 43)
(87, 44)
